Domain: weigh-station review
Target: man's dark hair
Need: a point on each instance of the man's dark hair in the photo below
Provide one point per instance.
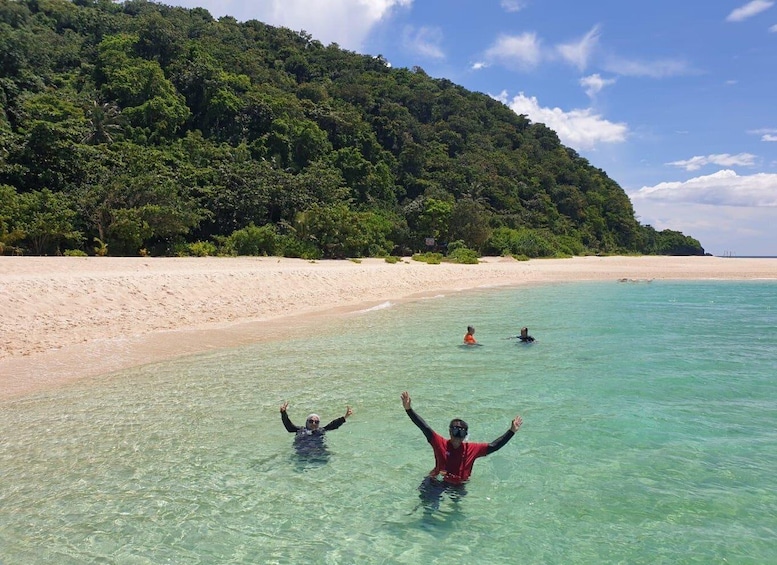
(459, 422)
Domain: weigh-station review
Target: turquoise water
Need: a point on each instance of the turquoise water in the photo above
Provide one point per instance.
(649, 436)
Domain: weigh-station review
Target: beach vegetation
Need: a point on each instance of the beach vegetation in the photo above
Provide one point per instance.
(10, 232)
(251, 240)
(290, 246)
(392, 259)
(100, 248)
(341, 232)
(75, 253)
(145, 126)
(196, 249)
(523, 241)
(47, 222)
(458, 252)
(429, 257)
(463, 255)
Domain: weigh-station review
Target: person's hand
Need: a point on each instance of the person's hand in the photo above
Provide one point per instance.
(516, 423)
(284, 406)
(405, 396)
(348, 411)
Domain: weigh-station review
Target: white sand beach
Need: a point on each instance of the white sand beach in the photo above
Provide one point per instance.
(67, 318)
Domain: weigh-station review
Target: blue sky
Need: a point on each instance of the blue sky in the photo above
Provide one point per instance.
(676, 101)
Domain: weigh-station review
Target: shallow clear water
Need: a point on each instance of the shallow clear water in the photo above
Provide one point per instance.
(650, 436)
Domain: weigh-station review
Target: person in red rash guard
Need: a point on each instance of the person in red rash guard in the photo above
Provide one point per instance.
(453, 457)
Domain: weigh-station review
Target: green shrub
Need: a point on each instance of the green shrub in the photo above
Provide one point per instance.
(533, 243)
(525, 241)
(202, 249)
(75, 253)
(429, 257)
(252, 240)
(179, 249)
(290, 246)
(392, 259)
(340, 232)
(464, 255)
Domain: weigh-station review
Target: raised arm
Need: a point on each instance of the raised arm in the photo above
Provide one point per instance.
(337, 422)
(291, 428)
(416, 419)
(502, 440)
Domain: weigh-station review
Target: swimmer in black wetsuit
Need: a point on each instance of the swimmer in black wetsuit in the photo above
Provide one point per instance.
(309, 439)
(525, 337)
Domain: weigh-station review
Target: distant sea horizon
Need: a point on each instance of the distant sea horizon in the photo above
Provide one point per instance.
(729, 256)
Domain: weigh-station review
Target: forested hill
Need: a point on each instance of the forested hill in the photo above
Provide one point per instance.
(133, 128)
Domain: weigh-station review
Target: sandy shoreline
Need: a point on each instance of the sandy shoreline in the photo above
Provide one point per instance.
(66, 318)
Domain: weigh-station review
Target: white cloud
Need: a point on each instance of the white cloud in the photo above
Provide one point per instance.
(722, 159)
(724, 188)
(580, 52)
(773, 29)
(345, 22)
(580, 129)
(767, 134)
(525, 52)
(724, 211)
(748, 10)
(514, 5)
(737, 230)
(424, 40)
(479, 65)
(516, 51)
(594, 83)
(653, 69)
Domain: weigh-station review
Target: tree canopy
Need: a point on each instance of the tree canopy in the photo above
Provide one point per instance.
(157, 129)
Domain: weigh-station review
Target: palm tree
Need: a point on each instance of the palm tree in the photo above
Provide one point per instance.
(104, 120)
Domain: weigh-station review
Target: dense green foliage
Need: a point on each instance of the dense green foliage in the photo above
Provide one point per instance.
(132, 128)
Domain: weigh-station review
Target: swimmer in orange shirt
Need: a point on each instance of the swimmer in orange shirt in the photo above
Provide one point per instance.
(469, 339)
